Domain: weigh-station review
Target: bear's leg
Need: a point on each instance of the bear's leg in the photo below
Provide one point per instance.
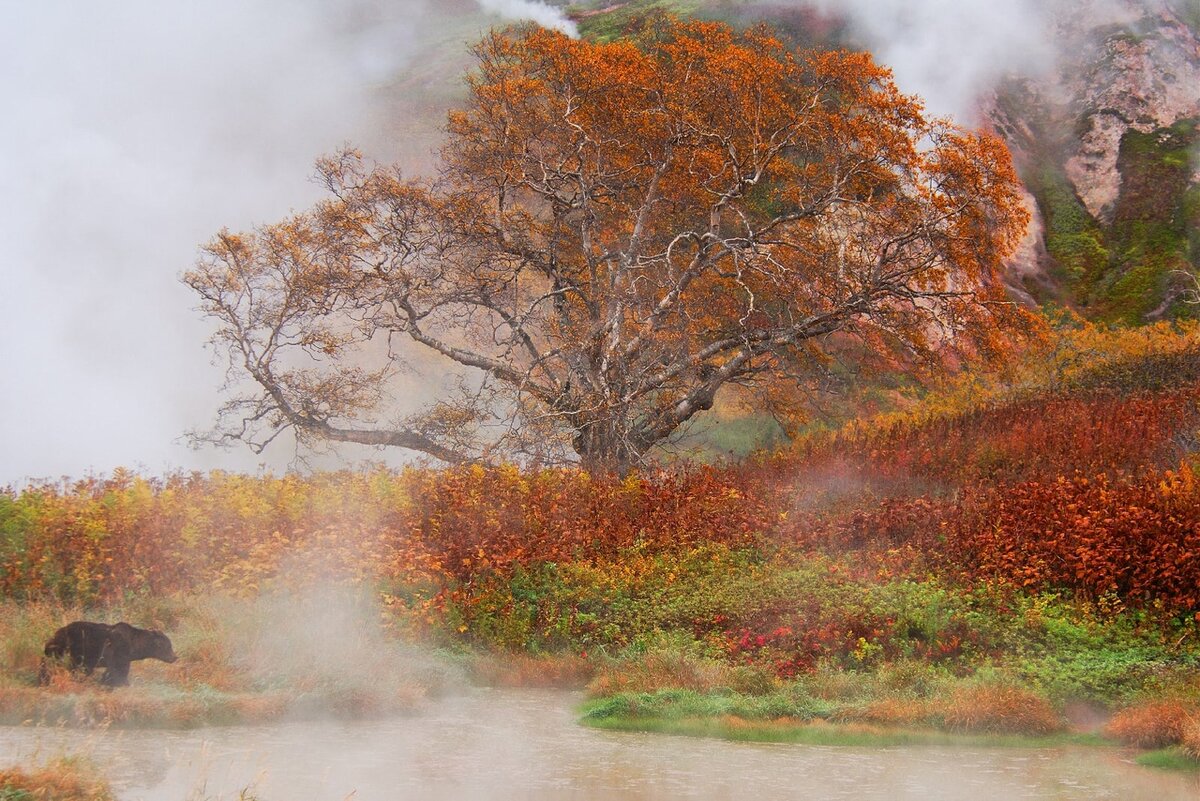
(83, 651)
(116, 674)
(115, 658)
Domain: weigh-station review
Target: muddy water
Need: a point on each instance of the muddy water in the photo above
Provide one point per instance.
(527, 745)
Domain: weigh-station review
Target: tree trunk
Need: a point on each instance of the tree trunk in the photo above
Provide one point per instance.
(602, 450)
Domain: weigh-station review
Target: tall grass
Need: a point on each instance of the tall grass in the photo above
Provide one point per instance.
(65, 779)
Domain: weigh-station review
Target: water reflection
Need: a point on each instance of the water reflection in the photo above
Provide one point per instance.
(526, 745)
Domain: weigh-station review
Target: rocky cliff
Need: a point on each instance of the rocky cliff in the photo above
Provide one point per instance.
(1107, 143)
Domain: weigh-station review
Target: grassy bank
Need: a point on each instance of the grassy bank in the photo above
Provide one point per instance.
(822, 732)
(1170, 759)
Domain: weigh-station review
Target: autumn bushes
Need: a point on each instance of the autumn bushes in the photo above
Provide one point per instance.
(1094, 494)
(1086, 488)
(1026, 439)
(469, 522)
(1132, 538)
(103, 538)
(1135, 538)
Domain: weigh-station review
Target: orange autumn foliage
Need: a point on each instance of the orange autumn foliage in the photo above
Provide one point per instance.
(1000, 710)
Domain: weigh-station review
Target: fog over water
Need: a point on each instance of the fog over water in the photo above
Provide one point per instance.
(525, 744)
(132, 131)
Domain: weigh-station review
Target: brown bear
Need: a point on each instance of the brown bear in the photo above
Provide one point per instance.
(90, 645)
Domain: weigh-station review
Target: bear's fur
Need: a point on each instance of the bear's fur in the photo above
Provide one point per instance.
(90, 645)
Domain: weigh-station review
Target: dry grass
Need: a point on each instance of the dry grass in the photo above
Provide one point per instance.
(892, 712)
(671, 669)
(564, 671)
(68, 779)
(999, 709)
(1189, 742)
(1153, 725)
(24, 629)
(138, 707)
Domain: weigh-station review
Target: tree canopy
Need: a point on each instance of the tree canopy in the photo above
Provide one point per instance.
(618, 231)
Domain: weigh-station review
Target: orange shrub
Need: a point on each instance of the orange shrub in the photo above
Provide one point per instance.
(1000, 709)
(1189, 742)
(658, 670)
(1136, 538)
(102, 538)
(1034, 438)
(508, 669)
(898, 712)
(1153, 725)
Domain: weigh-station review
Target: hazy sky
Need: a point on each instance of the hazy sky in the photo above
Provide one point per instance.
(133, 130)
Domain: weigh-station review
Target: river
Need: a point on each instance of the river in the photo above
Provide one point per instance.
(520, 744)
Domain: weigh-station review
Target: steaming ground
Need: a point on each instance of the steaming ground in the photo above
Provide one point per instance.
(325, 644)
(542, 13)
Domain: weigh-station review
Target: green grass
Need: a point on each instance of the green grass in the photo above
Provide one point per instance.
(15, 794)
(821, 732)
(614, 24)
(1169, 759)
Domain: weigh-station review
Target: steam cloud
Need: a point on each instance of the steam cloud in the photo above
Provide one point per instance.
(545, 15)
(132, 132)
(950, 52)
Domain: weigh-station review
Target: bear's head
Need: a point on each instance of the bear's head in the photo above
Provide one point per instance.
(156, 645)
